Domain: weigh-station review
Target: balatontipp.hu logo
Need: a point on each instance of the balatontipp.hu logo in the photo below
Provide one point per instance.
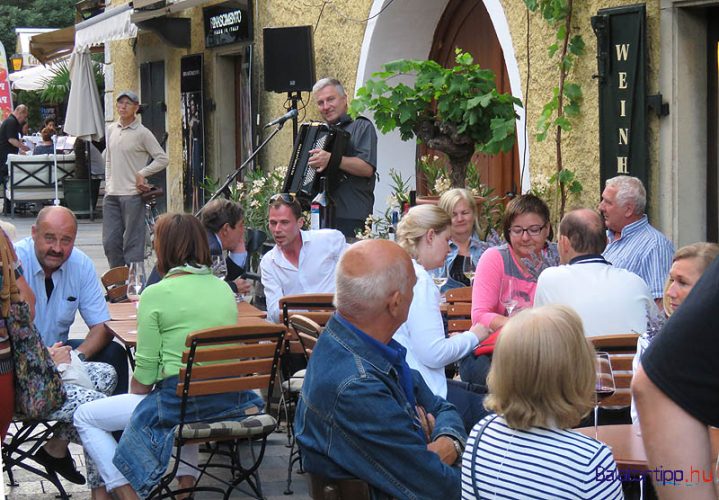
(659, 475)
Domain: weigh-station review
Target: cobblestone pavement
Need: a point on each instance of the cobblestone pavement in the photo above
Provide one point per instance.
(273, 471)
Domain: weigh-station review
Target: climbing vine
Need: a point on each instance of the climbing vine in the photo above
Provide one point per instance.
(565, 104)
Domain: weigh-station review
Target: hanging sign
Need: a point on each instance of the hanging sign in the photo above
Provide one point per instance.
(621, 58)
(227, 23)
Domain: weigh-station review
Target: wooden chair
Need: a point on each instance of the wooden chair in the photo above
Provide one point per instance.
(223, 360)
(621, 348)
(463, 294)
(316, 306)
(115, 283)
(307, 332)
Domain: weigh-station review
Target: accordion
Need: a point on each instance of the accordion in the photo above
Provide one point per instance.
(303, 180)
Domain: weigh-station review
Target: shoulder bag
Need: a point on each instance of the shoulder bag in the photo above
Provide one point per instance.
(38, 386)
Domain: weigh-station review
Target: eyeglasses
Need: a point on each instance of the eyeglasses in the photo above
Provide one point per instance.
(285, 197)
(532, 230)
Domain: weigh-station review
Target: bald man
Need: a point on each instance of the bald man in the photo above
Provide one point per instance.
(362, 412)
(11, 137)
(64, 281)
(608, 299)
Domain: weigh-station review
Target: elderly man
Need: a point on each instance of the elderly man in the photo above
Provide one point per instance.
(362, 412)
(354, 198)
(634, 244)
(129, 147)
(64, 281)
(609, 300)
(223, 222)
(11, 137)
(676, 391)
(301, 261)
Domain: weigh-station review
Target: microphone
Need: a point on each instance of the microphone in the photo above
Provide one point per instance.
(282, 119)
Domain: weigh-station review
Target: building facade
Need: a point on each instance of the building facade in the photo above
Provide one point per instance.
(353, 39)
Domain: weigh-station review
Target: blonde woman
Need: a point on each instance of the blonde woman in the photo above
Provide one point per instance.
(464, 240)
(541, 384)
(424, 234)
(688, 265)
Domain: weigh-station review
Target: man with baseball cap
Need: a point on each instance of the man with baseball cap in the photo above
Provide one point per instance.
(130, 146)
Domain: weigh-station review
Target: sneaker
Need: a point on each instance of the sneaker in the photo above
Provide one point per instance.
(64, 466)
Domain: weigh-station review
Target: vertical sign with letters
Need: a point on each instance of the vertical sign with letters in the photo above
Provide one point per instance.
(621, 60)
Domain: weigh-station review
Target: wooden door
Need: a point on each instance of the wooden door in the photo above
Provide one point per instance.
(466, 24)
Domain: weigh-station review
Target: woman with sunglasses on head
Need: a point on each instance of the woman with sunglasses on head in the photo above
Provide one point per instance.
(528, 251)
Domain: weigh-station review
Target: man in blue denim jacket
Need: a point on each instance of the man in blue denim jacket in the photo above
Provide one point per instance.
(362, 412)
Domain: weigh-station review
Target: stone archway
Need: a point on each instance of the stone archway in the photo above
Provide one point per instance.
(406, 30)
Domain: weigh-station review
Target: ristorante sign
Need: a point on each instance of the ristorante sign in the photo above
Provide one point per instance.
(621, 60)
(227, 23)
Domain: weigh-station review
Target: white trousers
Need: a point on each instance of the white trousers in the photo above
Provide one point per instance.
(95, 424)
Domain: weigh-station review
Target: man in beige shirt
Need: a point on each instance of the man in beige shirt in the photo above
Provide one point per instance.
(129, 147)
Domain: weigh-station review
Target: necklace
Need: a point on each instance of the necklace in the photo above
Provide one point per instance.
(504, 457)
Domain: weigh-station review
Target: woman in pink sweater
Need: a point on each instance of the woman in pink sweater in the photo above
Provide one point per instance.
(527, 230)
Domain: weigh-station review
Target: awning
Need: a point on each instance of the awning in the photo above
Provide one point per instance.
(113, 24)
(144, 15)
(34, 78)
(53, 45)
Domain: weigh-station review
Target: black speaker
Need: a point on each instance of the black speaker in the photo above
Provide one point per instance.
(289, 59)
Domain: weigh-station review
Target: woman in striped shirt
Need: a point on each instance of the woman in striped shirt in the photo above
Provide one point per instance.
(541, 384)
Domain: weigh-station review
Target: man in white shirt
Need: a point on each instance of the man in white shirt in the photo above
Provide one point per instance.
(301, 261)
(608, 299)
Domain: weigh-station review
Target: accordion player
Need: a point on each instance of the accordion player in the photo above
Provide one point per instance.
(303, 180)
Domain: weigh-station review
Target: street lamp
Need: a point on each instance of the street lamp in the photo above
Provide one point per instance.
(16, 62)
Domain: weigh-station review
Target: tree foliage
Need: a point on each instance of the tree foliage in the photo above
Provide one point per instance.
(32, 14)
(454, 110)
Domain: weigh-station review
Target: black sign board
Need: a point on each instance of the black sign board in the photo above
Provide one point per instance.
(621, 59)
(193, 130)
(226, 23)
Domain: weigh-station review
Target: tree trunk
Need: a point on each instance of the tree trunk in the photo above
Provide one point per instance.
(458, 148)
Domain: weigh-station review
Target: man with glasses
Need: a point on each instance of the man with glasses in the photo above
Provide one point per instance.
(608, 299)
(130, 146)
(354, 197)
(301, 261)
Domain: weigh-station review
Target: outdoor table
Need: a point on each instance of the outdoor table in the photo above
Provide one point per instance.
(123, 323)
(626, 444)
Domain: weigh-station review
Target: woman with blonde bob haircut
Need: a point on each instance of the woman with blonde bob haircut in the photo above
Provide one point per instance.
(541, 384)
(465, 242)
(424, 233)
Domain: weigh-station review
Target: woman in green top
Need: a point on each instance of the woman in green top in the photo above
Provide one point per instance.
(188, 298)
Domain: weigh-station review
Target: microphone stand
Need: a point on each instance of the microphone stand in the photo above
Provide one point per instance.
(232, 176)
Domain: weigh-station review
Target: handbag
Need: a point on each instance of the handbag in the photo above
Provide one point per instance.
(38, 386)
(486, 347)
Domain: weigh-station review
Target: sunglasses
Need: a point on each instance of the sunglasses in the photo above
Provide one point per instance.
(285, 197)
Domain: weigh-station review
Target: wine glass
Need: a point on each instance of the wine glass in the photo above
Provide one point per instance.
(469, 267)
(604, 386)
(508, 295)
(439, 276)
(219, 266)
(135, 281)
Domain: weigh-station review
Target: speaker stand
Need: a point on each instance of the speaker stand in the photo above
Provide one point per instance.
(294, 97)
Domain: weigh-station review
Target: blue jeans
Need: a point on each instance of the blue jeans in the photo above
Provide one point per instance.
(146, 445)
(474, 369)
(113, 354)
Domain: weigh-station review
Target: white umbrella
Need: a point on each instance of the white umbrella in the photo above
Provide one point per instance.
(34, 78)
(84, 117)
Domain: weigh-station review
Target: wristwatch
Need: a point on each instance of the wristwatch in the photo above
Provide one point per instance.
(81, 355)
(457, 447)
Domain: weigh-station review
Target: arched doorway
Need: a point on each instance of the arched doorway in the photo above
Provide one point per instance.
(467, 25)
(405, 30)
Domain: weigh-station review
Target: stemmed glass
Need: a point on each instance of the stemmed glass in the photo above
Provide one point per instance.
(508, 295)
(468, 268)
(604, 385)
(219, 266)
(135, 281)
(439, 276)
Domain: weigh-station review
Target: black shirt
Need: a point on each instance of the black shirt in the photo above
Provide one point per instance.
(10, 129)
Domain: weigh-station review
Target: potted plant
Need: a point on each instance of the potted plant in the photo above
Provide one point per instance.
(454, 110)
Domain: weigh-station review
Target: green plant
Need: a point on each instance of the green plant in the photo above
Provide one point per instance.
(378, 227)
(454, 110)
(435, 173)
(57, 87)
(253, 193)
(564, 106)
